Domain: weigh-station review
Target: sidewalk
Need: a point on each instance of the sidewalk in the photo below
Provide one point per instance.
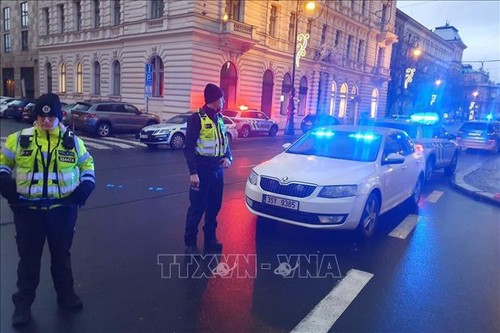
(481, 180)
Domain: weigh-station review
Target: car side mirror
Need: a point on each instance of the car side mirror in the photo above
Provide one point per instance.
(393, 158)
(286, 145)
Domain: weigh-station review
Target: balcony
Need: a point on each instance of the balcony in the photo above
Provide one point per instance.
(237, 36)
(386, 38)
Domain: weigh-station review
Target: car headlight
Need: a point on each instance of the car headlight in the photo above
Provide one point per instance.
(253, 177)
(338, 191)
(161, 132)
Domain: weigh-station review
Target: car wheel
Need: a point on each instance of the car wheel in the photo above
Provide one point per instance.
(150, 146)
(103, 129)
(415, 196)
(177, 141)
(450, 169)
(245, 132)
(273, 131)
(429, 169)
(369, 218)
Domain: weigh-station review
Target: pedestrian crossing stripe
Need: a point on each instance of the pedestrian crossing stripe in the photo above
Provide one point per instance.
(102, 143)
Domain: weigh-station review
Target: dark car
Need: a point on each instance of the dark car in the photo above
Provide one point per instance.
(314, 120)
(105, 117)
(480, 135)
(16, 108)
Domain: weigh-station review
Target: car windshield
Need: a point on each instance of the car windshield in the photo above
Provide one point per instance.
(81, 107)
(473, 127)
(230, 113)
(412, 131)
(354, 146)
(17, 103)
(178, 119)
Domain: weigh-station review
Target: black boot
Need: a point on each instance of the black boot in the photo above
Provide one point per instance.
(21, 316)
(70, 301)
(192, 249)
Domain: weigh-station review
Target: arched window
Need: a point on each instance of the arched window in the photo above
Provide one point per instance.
(332, 98)
(62, 79)
(228, 83)
(48, 70)
(343, 100)
(374, 103)
(301, 108)
(267, 93)
(286, 87)
(97, 78)
(158, 76)
(116, 78)
(79, 78)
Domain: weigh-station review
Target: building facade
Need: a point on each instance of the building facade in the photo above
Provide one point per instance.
(103, 49)
(19, 49)
(425, 68)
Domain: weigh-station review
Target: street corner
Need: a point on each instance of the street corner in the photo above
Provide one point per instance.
(481, 181)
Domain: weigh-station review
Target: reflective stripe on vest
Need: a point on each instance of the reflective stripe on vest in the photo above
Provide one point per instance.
(212, 140)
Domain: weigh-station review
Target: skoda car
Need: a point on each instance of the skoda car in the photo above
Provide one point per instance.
(338, 177)
(252, 122)
(480, 135)
(173, 132)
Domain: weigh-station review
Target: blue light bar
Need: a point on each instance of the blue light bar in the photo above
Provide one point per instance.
(489, 116)
(424, 117)
(325, 134)
(362, 136)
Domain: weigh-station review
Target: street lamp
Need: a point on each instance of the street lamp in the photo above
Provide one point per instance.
(290, 126)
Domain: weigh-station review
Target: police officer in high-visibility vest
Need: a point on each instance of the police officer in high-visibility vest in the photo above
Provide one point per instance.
(46, 173)
(207, 152)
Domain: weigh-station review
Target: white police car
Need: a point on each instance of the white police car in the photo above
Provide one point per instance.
(437, 144)
(252, 121)
(173, 132)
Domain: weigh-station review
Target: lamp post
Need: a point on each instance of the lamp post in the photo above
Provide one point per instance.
(290, 124)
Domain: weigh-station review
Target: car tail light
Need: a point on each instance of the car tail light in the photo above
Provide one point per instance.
(419, 148)
(64, 114)
(90, 115)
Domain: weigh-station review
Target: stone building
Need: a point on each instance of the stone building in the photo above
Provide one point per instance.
(102, 50)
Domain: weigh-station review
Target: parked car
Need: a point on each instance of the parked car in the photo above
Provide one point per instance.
(15, 108)
(480, 135)
(29, 112)
(103, 118)
(173, 132)
(317, 120)
(66, 112)
(252, 121)
(438, 145)
(338, 177)
(4, 103)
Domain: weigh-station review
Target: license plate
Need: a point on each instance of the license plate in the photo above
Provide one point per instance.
(280, 202)
(143, 136)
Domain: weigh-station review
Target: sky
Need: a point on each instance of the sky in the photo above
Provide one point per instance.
(477, 22)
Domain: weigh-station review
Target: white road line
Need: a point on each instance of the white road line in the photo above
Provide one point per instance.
(100, 142)
(95, 145)
(404, 228)
(134, 143)
(326, 313)
(434, 196)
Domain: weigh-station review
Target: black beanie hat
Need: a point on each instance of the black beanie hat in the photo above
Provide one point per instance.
(212, 93)
(48, 105)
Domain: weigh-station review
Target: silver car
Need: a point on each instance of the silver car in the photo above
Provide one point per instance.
(251, 122)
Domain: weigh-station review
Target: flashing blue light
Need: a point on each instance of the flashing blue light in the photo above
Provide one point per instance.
(424, 118)
(361, 136)
(324, 134)
(489, 116)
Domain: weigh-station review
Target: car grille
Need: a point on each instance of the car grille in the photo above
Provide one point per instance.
(292, 189)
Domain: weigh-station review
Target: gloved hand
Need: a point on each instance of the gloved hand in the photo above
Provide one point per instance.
(8, 188)
(81, 193)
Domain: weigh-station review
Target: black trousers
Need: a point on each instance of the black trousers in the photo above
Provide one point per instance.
(33, 226)
(206, 199)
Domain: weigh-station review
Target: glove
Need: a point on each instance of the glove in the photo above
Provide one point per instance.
(81, 193)
(8, 188)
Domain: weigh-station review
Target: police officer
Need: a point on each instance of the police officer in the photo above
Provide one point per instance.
(207, 152)
(45, 173)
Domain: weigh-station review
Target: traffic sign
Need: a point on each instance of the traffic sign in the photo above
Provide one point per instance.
(148, 82)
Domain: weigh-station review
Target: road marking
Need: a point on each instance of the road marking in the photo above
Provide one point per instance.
(100, 142)
(248, 166)
(95, 145)
(134, 143)
(404, 228)
(434, 196)
(326, 313)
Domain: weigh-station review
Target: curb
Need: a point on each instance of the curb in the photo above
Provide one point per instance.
(458, 182)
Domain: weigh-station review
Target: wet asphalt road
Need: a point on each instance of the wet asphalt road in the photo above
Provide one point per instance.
(445, 276)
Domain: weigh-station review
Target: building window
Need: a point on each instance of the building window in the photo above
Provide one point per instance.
(309, 26)
(286, 88)
(349, 47)
(323, 34)
(332, 98)
(273, 21)
(24, 40)
(78, 21)
(233, 9)
(97, 14)
(116, 78)
(363, 6)
(62, 79)
(48, 71)
(79, 78)
(343, 100)
(361, 48)
(60, 8)
(158, 78)
(374, 103)
(97, 78)
(47, 21)
(157, 8)
(24, 14)
(6, 43)
(337, 38)
(291, 28)
(116, 12)
(6, 19)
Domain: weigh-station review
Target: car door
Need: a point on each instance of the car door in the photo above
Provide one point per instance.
(412, 165)
(393, 174)
(134, 119)
(264, 122)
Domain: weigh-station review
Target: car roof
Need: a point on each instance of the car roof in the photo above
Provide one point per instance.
(356, 128)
